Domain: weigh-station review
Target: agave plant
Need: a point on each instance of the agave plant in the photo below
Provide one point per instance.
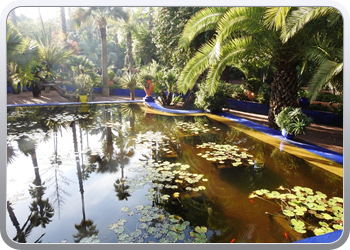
(129, 81)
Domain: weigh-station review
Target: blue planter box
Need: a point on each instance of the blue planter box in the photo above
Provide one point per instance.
(251, 107)
(140, 93)
(68, 87)
(123, 92)
(126, 92)
(324, 118)
(9, 89)
(318, 117)
(96, 90)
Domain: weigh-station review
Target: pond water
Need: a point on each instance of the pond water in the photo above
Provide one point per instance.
(119, 173)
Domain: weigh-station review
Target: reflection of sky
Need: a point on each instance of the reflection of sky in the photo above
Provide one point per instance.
(101, 203)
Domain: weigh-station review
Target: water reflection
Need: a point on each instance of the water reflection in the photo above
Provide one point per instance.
(125, 151)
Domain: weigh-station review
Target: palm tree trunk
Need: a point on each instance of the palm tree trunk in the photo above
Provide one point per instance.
(129, 61)
(64, 24)
(284, 91)
(132, 94)
(105, 86)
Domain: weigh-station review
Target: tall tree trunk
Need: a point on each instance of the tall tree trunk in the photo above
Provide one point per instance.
(105, 86)
(129, 61)
(284, 91)
(64, 24)
(116, 49)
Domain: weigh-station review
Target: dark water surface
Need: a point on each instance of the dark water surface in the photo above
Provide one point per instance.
(115, 173)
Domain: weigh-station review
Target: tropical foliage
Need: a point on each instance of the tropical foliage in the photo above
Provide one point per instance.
(254, 34)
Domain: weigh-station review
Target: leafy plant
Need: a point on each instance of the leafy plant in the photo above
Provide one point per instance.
(111, 75)
(84, 84)
(212, 102)
(305, 209)
(252, 84)
(129, 81)
(293, 120)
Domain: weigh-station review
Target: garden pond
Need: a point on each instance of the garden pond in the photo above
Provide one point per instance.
(125, 173)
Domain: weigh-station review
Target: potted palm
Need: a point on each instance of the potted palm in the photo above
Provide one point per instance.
(292, 121)
(111, 76)
(84, 86)
(129, 81)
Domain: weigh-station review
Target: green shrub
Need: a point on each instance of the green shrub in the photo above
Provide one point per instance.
(214, 103)
(252, 84)
(293, 120)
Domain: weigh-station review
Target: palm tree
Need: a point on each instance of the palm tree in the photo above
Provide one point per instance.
(129, 22)
(243, 33)
(20, 53)
(328, 50)
(97, 15)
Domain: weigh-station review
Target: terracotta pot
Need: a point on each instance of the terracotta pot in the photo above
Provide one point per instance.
(149, 90)
(110, 83)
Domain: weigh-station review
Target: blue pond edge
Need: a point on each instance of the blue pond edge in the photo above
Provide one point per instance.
(328, 154)
(324, 238)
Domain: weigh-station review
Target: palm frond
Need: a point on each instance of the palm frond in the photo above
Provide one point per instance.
(300, 17)
(203, 20)
(231, 53)
(275, 17)
(195, 67)
(241, 20)
(327, 71)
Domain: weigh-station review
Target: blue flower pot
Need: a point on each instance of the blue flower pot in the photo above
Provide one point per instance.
(304, 102)
(286, 135)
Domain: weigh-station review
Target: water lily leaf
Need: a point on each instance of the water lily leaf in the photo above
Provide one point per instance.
(327, 216)
(320, 195)
(143, 226)
(151, 230)
(322, 230)
(323, 224)
(338, 199)
(337, 226)
(300, 230)
(136, 233)
(300, 210)
(297, 223)
(288, 213)
(123, 237)
(337, 209)
(119, 230)
(157, 235)
(131, 213)
(200, 230)
(121, 222)
(179, 227)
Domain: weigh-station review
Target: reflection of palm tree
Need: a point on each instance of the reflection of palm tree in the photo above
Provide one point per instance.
(120, 188)
(86, 227)
(41, 210)
(58, 199)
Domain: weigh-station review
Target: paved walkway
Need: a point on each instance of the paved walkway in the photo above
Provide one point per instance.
(53, 97)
